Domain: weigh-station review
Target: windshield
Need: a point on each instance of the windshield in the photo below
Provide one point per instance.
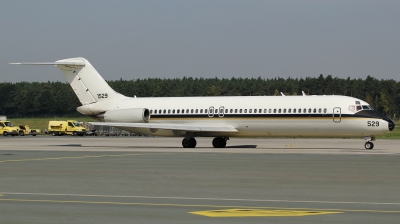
(8, 124)
(77, 124)
(366, 107)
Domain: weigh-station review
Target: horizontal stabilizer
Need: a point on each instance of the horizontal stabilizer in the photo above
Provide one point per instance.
(169, 126)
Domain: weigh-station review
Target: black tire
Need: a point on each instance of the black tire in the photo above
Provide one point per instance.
(74, 133)
(5, 133)
(189, 143)
(21, 133)
(219, 142)
(369, 145)
(193, 143)
(53, 134)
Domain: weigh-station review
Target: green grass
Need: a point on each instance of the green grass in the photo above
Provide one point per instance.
(43, 123)
(395, 134)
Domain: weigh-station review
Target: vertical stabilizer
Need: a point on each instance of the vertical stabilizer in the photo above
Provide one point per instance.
(86, 82)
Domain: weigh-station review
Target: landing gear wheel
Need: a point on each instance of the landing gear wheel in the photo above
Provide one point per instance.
(189, 143)
(219, 142)
(369, 145)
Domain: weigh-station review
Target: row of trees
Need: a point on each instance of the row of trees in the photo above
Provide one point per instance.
(57, 98)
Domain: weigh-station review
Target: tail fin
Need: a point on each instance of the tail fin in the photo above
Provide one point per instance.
(86, 82)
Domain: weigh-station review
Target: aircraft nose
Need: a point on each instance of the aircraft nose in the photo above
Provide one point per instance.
(390, 123)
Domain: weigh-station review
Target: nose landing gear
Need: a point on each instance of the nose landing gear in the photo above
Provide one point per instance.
(368, 144)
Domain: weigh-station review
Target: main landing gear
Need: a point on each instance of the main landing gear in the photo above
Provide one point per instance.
(189, 143)
(219, 142)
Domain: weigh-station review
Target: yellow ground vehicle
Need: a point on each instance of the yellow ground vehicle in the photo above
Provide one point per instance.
(7, 128)
(69, 127)
(25, 130)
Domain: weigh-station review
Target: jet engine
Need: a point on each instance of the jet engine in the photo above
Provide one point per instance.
(131, 115)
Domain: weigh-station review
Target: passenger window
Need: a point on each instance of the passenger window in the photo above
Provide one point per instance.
(240, 111)
(274, 111)
(250, 110)
(178, 111)
(284, 111)
(325, 110)
(201, 111)
(309, 110)
(151, 111)
(294, 110)
(173, 111)
(358, 108)
(216, 111)
(206, 111)
(187, 111)
(226, 111)
(236, 111)
(259, 111)
(231, 111)
(191, 111)
(290, 110)
(169, 111)
(304, 110)
(265, 111)
(279, 111)
(320, 110)
(155, 111)
(270, 111)
(315, 110)
(197, 110)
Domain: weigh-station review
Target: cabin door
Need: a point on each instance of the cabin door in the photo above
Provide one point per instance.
(211, 112)
(337, 115)
(221, 111)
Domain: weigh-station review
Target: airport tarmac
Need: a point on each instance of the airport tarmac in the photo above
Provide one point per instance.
(153, 180)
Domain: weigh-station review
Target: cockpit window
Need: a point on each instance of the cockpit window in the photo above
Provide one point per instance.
(365, 107)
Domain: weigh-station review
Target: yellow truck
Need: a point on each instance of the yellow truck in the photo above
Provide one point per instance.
(69, 127)
(25, 130)
(7, 128)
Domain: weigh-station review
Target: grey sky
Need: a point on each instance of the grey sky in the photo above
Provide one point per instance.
(200, 38)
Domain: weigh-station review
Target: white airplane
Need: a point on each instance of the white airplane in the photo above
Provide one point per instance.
(222, 117)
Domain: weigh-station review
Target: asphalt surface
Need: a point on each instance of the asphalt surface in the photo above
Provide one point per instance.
(154, 180)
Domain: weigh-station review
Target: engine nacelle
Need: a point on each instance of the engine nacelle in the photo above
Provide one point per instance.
(132, 115)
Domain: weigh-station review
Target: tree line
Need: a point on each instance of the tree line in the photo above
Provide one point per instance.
(24, 99)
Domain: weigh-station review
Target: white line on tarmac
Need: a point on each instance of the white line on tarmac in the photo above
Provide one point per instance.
(212, 199)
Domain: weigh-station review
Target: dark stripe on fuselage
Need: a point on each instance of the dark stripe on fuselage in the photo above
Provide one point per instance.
(260, 116)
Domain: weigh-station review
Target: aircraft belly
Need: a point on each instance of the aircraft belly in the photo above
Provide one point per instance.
(350, 127)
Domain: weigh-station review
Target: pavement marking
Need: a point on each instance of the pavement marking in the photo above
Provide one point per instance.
(191, 205)
(199, 199)
(69, 157)
(260, 213)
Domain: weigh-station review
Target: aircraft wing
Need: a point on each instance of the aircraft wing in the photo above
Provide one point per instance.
(171, 126)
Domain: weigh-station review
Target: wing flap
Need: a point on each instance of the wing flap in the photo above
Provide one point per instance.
(169, 126)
